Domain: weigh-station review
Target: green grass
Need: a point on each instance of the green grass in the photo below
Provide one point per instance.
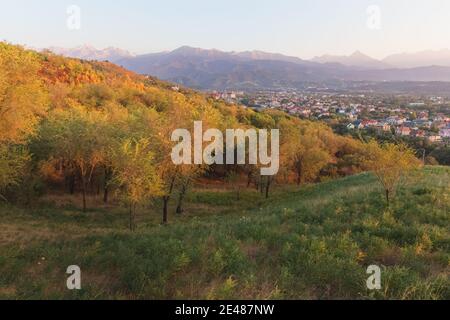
(309, 243)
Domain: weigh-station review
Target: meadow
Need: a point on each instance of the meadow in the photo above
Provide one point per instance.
(309, 242)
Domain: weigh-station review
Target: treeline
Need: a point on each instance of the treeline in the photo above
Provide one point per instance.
(91, 127)
(435, 153)
(432, 153)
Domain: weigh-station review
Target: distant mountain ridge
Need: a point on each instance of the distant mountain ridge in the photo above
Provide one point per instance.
(207, 69)
(214, 69)
(357, 59)
(88, 52)
(420, 59)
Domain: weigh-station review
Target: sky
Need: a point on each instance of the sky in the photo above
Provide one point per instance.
(302, 28)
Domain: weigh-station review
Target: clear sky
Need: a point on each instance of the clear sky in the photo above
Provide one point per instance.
(303, 28)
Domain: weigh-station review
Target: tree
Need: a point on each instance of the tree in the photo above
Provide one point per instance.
(23, 98)
(118, 126)
(306, 149)
(268, 184)
(180, 114)
(308, 159)
(135, 173)
(23, 101)
(186, 177)
(390, 163)
(12, 163)
(73, 139)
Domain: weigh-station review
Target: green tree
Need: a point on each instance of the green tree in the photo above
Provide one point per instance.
(74, 142)
(135, 173)
(13, 160)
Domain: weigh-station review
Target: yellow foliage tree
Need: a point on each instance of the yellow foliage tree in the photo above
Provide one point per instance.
(23, 101)
(12, 162)
(136, 174)
(390, 163)
(306, 153)
(23, 98)
(75, 141)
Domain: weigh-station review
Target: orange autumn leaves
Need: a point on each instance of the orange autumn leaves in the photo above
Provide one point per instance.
(23, 98)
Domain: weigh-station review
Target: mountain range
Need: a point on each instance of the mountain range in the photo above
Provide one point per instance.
(215, 69)
(88, 52)
(420, 59)
(357, 59)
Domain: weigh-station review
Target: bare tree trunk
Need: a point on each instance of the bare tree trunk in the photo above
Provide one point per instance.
(166, 200)
(91, 185)
(131, 218)
(105, 194)
(134, 217)
(183, 192)
(269, 182)
(83, 186)
(387, 197)
(261, 184)
(299, 174)
(72, 184)
(166, 210)
(106, 185)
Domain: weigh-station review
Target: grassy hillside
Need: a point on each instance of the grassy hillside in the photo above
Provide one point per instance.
(313, 242)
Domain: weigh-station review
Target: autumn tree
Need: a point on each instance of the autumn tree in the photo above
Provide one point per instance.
(23, 98)
(304, 151)
(117, 127)
(390, 163)
(13, 160)
(309, 158)
(135, 173)
(172, 119)
(186, 178)
(74, 143)
(180, 113)
(23, 102)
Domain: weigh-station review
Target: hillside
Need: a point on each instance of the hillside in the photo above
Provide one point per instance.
(87, 178)
(315, 242)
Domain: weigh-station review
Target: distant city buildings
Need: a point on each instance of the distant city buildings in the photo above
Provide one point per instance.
(405, 116)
